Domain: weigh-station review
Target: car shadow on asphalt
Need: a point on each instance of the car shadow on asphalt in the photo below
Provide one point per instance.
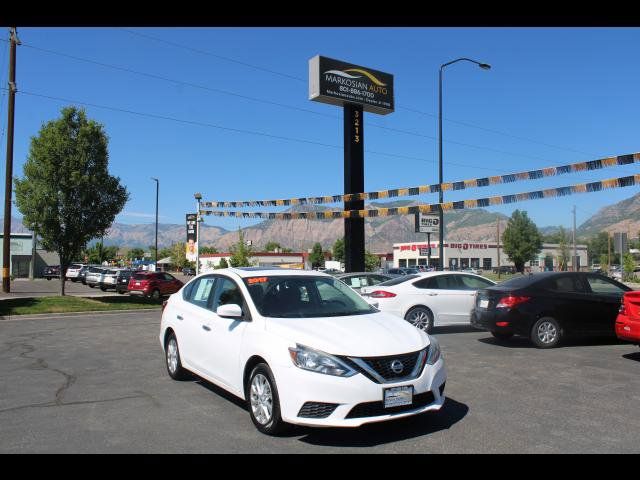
(220, 392)
(632, 356)
(522, 342)
(385, 432)
(444, 330)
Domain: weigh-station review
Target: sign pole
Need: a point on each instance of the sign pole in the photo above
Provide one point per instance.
(353, 183)
(428, 250)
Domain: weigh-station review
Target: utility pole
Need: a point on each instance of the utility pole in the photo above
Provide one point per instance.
(575, 249)
(6, 240)
(498, 229)
(609, 252)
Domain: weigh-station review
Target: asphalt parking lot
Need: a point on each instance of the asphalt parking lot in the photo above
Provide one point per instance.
(97, 383)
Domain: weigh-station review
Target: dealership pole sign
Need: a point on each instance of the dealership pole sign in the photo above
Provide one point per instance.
(357, 90)
(338, 83)
(192, 238)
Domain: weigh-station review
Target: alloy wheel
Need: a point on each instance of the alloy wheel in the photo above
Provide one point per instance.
(547, 332)
(261, 399)
(419, 319)
(172, 355)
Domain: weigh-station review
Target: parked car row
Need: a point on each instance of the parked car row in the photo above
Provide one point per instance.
(304, 348)
(123, 280)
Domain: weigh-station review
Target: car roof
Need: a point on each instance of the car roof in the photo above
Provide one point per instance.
(245, 272)
(358, 273)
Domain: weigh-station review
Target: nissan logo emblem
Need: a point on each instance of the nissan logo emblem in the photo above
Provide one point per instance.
(397, 366)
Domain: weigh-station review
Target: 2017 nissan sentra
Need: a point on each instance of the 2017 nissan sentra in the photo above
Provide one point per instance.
(300, 347)
(548, 306)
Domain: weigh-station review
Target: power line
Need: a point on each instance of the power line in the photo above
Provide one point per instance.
(250, 132)
(401, 107)
(269, 102)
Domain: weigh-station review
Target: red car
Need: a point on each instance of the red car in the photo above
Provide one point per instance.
(628, 321)
(153, 284)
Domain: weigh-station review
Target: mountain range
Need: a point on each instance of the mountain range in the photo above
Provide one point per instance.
(380, 232)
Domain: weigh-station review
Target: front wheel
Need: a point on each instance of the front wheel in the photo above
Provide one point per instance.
(546, 333)
(263, 400)
(421, 318)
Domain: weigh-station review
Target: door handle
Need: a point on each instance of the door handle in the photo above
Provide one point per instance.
(179, 317)
(432, 294)
(204, 327)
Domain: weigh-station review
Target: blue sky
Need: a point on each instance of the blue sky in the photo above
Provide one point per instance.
(555, 95)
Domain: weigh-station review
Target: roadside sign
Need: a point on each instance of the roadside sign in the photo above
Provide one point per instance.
(427, 223)
(338, 83)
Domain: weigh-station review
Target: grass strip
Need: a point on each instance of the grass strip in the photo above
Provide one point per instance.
(67, 304)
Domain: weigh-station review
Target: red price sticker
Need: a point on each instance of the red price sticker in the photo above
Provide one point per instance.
(254, 280)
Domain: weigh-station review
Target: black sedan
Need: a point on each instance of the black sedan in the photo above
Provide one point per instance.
(548, 306)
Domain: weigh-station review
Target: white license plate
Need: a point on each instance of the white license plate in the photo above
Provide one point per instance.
(483, 303)
(137, 283)
(398, 396)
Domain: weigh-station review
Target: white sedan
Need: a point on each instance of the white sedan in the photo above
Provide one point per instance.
(300, 347)
(429, 299)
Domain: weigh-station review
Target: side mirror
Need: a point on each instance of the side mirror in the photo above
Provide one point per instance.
(230, 310)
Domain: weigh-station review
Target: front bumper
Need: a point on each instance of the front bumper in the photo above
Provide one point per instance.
(296, 387)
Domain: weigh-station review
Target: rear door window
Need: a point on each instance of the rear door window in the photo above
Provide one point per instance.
(566, 284)
(200, 292)
(474, 283)
(603, 286)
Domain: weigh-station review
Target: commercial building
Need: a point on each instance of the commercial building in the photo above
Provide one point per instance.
(209, 261)
(459, 255)
(21, 254)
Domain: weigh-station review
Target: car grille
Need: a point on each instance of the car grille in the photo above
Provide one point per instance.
(317, 410)
(376, 409)
(379, 368)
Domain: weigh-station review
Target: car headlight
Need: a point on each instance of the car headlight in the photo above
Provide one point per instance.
(434, 351)
(319, 362)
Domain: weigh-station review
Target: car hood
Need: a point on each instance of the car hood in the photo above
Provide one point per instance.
(371, 335)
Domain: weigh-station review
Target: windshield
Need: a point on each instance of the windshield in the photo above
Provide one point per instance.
(304, 296)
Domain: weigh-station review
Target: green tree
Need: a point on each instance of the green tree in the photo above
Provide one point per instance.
(271, 246)
(179, 255)
(338, 250)
(628, 264)
(317, 256)
(521, 239)
(67, 194)
(371, 262)
(563, 249)
(223, 263)
(240, 252)
(207, 249)
(164, 253)
(135, 253)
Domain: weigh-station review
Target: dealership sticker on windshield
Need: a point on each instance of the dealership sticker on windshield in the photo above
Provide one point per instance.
(398, 396)
(253, 280)
(484, 303)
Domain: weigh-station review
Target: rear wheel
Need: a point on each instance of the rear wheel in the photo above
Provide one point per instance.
(155, 294)
(546, 333)
(104, 289)
(421, 318)
(172, 356)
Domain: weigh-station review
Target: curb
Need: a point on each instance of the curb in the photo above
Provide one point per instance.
(36, 316)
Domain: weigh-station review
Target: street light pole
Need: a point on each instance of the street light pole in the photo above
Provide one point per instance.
(484, 66)
(198, 197)
(155, 262)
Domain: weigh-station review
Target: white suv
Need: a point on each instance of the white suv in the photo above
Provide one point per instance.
(300, 347)
(73, 271)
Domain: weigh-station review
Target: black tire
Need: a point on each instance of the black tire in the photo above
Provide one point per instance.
(103, 289)
(91, 285)
(421, 318)
(48, 278)
(502, 335)
(155, 294)
(546, 333)
(273, 425)
(122, 292)
(175, 370)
